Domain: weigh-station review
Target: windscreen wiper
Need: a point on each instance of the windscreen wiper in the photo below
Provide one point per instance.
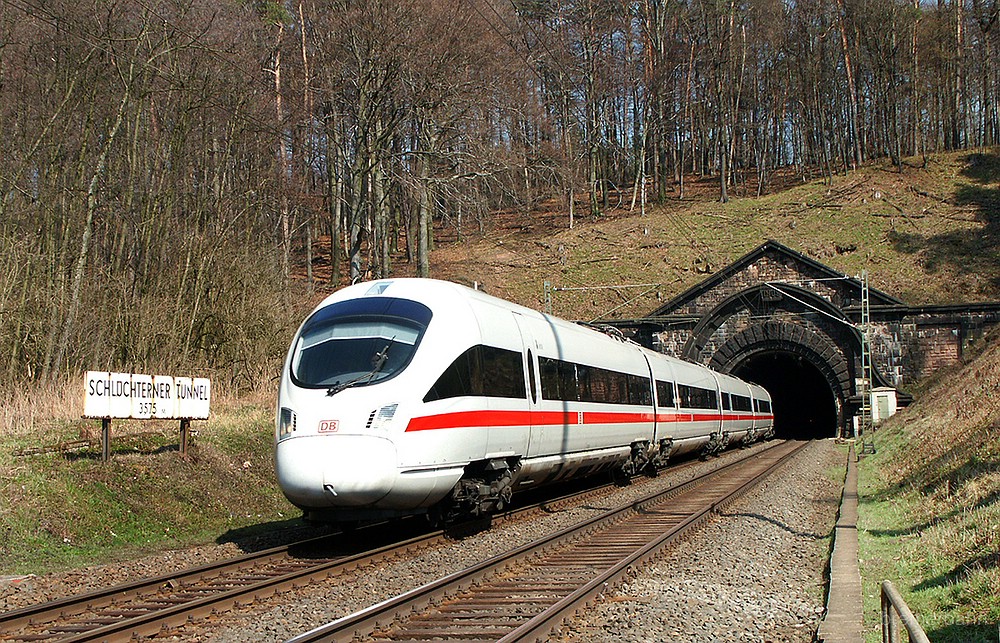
(378, 362)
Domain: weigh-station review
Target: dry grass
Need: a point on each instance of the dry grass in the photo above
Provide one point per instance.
(928, 235)
(34, 411)
(931, 503)
(47, 410)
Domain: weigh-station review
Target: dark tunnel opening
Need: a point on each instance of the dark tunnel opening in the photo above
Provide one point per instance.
(804, 404)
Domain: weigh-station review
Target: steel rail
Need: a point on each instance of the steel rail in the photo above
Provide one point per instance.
(539, 627)
(76, 604)
(182, 612)
(382, 615)
(39, 617)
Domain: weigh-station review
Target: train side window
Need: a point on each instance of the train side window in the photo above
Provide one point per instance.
(726, 403)
(531, 377)
(695, 397)
(664, 394)
(558, 379)
(456, 381)
(568, 384)
(639, 390)
(763, 406)
(590, 385)
(742, 403)
(605, 386)
(611, 387)
(571, 382)
(481, 371)
(502, 374)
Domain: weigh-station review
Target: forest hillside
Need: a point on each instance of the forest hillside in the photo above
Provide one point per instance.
(928, 234)
(179, 179)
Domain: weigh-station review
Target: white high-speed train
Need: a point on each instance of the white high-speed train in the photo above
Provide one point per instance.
(408, 396)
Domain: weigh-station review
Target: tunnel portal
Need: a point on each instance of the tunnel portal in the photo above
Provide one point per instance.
(805, 407)
(803, 330)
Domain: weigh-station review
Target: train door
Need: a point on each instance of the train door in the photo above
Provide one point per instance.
(664, 399)
(720, 422)
(549, 418)
(530, 361)
(517, 433)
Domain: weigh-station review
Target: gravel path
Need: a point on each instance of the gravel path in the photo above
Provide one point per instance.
(771, 591)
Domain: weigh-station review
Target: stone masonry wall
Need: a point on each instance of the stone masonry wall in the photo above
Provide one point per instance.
(904, 349)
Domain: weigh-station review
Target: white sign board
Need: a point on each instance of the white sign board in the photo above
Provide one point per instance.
(193, 397)
(142, 397)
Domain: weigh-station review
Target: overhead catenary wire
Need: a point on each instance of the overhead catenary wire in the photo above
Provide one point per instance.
(773, 286)
(630, 301)
(568, 288)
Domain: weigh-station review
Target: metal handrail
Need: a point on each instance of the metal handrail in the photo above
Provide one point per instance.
(893, 604)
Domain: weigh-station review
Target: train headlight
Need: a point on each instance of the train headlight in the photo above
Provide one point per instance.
(286, 422)
(379, 420)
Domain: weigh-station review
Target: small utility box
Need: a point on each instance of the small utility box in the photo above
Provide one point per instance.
(883, 403)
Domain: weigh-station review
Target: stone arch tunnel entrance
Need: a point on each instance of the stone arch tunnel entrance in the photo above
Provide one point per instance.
(793, 325)
(805, 407)
(806, 371)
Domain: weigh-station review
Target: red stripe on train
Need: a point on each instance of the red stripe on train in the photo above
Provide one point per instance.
(468, 419)
(486, 418)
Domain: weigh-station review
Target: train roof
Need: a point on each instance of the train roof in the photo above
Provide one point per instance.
(438, 293)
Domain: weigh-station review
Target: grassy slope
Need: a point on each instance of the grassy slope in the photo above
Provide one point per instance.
(930, 516)
(62, 510)
(928, 235)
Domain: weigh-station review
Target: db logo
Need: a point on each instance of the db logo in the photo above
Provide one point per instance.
(328, 426)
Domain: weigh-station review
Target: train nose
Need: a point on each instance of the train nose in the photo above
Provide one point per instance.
(335, 470)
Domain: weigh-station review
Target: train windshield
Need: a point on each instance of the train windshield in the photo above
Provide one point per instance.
(358, 342)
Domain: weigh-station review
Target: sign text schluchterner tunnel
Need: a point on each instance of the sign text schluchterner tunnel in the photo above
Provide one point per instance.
(145, 397)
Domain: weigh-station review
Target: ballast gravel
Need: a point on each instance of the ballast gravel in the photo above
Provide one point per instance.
(755, 573)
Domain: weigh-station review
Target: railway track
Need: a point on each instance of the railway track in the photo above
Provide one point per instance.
(151, 606)
(526, 593)
(147, 606)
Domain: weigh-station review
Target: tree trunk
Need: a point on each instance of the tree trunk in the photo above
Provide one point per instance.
(283, 161)
(88, 231)
(424, 219)
(856, 154)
